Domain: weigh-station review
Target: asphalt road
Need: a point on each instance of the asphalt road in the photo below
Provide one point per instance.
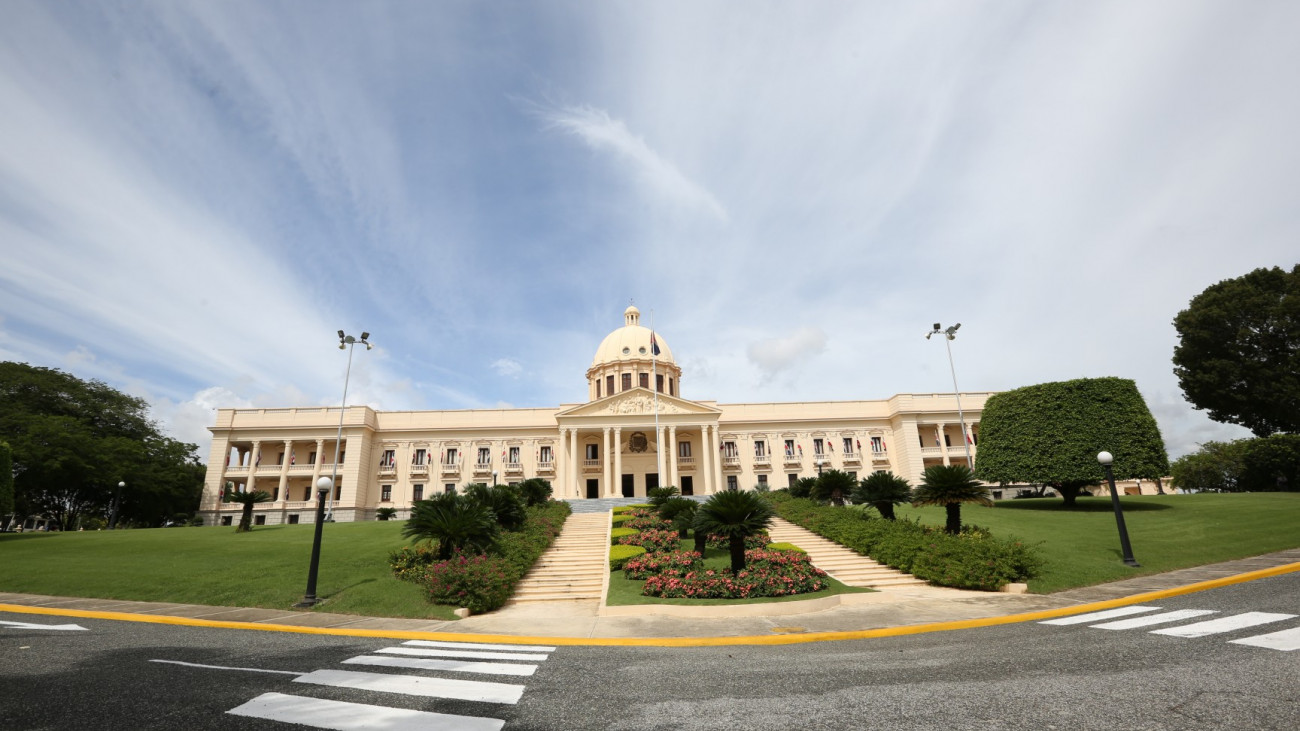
(1021, 676)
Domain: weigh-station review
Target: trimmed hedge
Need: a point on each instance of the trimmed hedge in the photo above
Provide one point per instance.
(784, 547)
(973, 559)
(619, 510)
(620, 519)
(620, 555)
(618, 533)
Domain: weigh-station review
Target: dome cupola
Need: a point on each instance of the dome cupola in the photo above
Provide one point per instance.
(630, 351)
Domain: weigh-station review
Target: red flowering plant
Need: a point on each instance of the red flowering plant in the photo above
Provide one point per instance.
(480, 583)
(674, 563)
(653, 541)
(647, 522)
(752, 541)
(766, 573)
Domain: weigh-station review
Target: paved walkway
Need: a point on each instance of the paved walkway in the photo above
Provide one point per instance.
(574, 567)
(891, 607)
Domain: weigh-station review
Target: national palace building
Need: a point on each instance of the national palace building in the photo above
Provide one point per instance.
(612, 445)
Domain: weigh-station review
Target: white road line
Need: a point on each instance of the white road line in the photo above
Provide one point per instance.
(459, 666)
(1286, 640)
(465, 690)
(1223, 624)
(223, 667)
(470, 654)
(1107, 614)
(477, 646)
(343, 716)
(1149, 620)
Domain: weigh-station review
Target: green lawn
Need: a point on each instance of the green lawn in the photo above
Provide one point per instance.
(1167, 532)
(215, 566)
(626, 591)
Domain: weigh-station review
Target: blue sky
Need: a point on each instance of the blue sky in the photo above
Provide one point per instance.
(194, 196)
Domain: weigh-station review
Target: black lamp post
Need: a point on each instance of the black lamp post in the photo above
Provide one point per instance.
(324, 486)
(117, 505)
(1105, 459)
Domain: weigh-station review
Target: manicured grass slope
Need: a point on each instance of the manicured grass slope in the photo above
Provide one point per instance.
(1081, 546)
(216, 566)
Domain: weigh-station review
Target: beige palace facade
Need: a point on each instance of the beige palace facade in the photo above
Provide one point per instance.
(610, 446)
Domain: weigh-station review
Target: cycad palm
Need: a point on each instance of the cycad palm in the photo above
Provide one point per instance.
(950, 486)
(679, 511)
(882, 491)
(503, 501)
(734, 514)
(454, 521)
(833, 485)
(247, 499)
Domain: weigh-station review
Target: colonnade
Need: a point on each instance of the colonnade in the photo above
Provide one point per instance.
(707, 476)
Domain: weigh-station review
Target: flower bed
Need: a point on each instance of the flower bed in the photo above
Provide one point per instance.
(670, 563)
(653, 541)
(752, 543)
(767, 573)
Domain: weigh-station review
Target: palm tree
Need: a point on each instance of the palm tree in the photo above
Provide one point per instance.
(658, 495)
(950, 486)
(734, 514)
(679, 511)
(386, 513)
(882, 491)
(503, 501)
(454, 521)
(833, 485)
(803, 487)
(247, 499)
(535, 490)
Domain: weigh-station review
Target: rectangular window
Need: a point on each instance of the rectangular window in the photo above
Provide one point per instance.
(854, 475)
(791, 478)
(732, 484)
(311, 458)
(449, 487)
(385, 493)
(760, 448)
(609, 385)
(789, 447)
(670, 386)
(450, 456)
(420, 456)
(593, 451)
(728, 449)
(225, 519)
(848, 445)
(947, 440)
(279, 459)
(659, 383)
(644, 380)
(762, 481)
(342, 456)
(546, 454)
(627, 381)
(819, 448)
(293, 519)
(877, 444)
(683, 449)
(338, 490)
(417, 492)
(387, 460)
(259, 520)
(597, 388)
(514, 455)
(275, 494)
(485, 455)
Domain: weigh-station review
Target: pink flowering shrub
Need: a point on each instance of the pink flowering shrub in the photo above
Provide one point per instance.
(675, 563)
(649, 522)
(653, 541)
(767, 573)
(480, 583)
(757, 540)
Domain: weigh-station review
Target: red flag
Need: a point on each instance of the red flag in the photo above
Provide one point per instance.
(859, 441)
(293, 457)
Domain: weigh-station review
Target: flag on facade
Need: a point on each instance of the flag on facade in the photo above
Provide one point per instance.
(654, 344)
(800, 446)
(968, 440)
(859, 441)
(258, 462)
(883, 448)
(293, 457)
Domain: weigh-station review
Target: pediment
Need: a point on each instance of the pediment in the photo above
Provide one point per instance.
(638, 402)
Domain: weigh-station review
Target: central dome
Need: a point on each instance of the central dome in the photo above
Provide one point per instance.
(631, 343)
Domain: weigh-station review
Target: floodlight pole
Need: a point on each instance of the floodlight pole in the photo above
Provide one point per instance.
(349, 342)
(949, 335)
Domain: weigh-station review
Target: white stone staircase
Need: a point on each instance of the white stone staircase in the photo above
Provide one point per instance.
(844, 565)
(574, 567)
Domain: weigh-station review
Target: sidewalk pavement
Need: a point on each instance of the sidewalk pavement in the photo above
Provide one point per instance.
(893, 607)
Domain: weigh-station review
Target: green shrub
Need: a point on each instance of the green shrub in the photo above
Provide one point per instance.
(784, 547)
(658, 495)
(480, 583)
(974, 563)
(629, 508)
(409, 562)
(620, 555)
(620, 519)
(618, 533)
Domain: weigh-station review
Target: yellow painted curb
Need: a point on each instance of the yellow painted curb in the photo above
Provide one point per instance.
(785, 639)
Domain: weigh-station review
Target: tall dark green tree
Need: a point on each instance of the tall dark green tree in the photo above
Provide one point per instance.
(74, 440)
(6, 484)
(1238, 355)
(1050, 434)
(1215, 467)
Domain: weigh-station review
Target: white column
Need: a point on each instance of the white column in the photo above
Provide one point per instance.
(254, 457)
(672, 455)
(616, 487)
(661, 459)
(717, 458)
(606, 464)
(315, 469)
(939, 430)
(706, 460)
(577, 466)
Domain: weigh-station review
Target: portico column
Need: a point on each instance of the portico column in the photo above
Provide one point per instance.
(943, 445)
(315, 468)
(573, 460)
(717, 458)
(284, 470)
(618, 462)
(706, 459)
(672, 455)
(606, 464)
(254, 457)
(661, 460)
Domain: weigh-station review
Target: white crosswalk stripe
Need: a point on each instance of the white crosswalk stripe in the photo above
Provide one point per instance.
(1284, 640)
(423, 662)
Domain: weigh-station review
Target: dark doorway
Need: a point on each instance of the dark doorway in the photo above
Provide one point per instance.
(629, 485)
(593, 489)
(688, 485)
(651, 481)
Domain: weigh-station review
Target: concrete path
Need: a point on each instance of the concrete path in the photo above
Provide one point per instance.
(575, 565)
(844, 565)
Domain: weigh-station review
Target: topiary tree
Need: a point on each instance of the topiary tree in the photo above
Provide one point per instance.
(882, 491)
(455, 522)
(833, 486)
(950, 486)
(734, 514)
(1051, 433)
(1272, 464)
(1238, 354)
(503, 501)
(659, 495)
(680, 512)
(386, 513)
(247, 499)
(535, 490)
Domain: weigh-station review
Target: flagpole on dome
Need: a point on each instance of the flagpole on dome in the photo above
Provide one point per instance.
(654, 386)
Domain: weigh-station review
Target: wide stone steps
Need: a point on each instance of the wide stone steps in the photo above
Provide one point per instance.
(844, 565)
(574, 567)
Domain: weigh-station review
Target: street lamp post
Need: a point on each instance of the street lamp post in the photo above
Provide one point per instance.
(117, 505)
(349, 342)
(494, 478)
(949, 335)
(1105, 459)
(324, 486)
(818, 462)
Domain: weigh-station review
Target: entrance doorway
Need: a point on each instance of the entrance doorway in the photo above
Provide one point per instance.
(593, 489)
(629, 485)
(688, 485)
(651, 481)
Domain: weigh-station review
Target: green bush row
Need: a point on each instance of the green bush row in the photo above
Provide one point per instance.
(619, 510)
(784, 547)
(618, 533)
(972, 560)
(620, 518)
(620, 555)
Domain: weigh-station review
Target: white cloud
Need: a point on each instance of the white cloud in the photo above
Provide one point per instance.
(507, 367)
(775, 355)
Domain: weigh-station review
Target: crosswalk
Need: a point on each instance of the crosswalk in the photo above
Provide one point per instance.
(418, 668)
(1141, 616)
